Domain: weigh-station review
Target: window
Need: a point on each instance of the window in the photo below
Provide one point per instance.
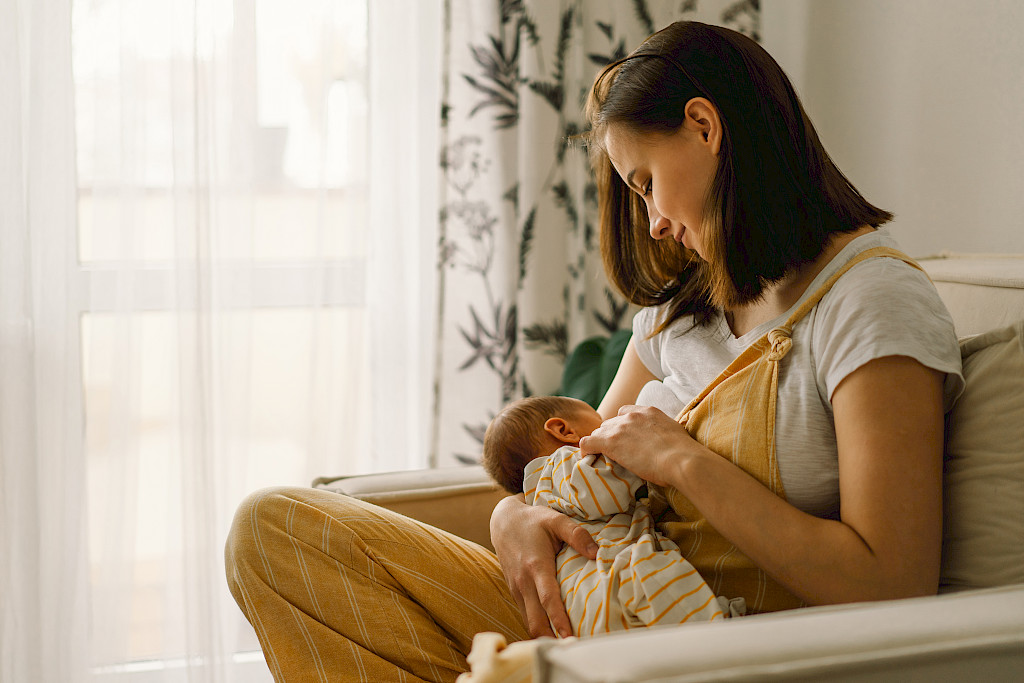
(228, 340)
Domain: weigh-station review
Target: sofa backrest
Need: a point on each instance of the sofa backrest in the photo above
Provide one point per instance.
(983, 520)
(981, 291)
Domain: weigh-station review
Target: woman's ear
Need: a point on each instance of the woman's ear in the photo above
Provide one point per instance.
(562, 430)
(702, 116)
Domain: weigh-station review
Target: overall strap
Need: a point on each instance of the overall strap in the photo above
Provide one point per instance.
(813, 300)
(775, 344)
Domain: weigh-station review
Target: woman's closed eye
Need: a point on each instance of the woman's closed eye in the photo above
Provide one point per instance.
(646, 189)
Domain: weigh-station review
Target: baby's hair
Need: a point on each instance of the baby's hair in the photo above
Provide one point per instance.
(516, 436)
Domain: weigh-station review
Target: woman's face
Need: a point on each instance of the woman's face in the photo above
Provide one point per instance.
(672, 173)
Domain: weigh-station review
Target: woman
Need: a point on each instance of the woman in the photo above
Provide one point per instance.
(809, 364)
(701, 131)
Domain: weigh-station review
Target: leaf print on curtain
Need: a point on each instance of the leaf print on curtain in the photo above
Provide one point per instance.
(520, 271)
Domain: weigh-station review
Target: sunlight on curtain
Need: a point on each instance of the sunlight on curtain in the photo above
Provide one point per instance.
(43, 624)
(239, 317)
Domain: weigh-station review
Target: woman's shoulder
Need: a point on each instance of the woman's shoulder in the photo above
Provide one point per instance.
(646, 319)
(880, 280)
(881, 307)
(883, 291)
(884, 275)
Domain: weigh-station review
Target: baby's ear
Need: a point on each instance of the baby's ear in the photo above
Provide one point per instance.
(562, 431)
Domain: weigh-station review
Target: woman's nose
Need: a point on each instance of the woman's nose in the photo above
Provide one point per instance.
(660, 226)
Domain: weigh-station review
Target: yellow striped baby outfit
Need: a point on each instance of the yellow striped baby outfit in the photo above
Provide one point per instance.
(639, 578)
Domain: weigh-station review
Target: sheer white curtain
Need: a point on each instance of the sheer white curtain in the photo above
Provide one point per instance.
(43, 568)
(215, 230)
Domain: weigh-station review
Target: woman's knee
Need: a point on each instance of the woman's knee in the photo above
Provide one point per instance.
(257, 522)
(265, 519)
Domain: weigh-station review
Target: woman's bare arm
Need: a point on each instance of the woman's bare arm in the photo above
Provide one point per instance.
(889, 429)
(629, 379)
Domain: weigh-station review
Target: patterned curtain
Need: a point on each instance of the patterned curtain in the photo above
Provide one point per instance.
(521, 281)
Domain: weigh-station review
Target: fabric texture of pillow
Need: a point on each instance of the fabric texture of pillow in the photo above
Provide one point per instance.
(983, 526)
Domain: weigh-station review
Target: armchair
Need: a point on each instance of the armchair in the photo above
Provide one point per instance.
(972, 630)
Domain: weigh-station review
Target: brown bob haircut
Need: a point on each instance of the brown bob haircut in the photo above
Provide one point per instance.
(774, 202)
(516, 436)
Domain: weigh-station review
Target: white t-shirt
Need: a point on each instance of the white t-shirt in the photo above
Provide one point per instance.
(880, 307)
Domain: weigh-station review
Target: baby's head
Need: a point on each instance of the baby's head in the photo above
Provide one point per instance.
(530, 428)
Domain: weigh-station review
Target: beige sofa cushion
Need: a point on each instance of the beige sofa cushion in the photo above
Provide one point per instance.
(456, 499)
(981, 291)
(983, 536)
(976, 636)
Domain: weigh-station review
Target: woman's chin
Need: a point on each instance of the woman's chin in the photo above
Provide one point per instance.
(689, 246)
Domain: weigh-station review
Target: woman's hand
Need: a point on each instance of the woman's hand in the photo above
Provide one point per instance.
(526, 539)
(645, 441)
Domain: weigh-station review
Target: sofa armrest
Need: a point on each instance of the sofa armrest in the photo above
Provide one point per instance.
(973, 635)
(456, 499)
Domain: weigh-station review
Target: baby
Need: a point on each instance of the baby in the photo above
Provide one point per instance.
(640, 577)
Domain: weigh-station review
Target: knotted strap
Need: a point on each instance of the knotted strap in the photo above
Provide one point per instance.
(780, 341)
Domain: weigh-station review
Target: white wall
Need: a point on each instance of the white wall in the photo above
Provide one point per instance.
(921, 104)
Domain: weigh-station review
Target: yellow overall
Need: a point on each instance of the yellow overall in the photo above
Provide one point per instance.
(734, 416)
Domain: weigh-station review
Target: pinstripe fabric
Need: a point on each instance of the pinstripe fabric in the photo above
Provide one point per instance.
(341, 590)
(735, 417)
(639, 578)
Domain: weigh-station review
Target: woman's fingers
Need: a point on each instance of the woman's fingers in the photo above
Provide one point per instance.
(527, 540)
(525, 604)
(563, 531)
(574, 535)
(642, 439)
(550, 597)
(540, 601)
(536, 601)
(536, 619)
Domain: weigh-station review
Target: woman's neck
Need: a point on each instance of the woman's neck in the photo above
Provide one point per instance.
(780, 296)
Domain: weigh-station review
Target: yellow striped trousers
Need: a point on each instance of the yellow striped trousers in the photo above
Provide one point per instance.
(341, 590)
